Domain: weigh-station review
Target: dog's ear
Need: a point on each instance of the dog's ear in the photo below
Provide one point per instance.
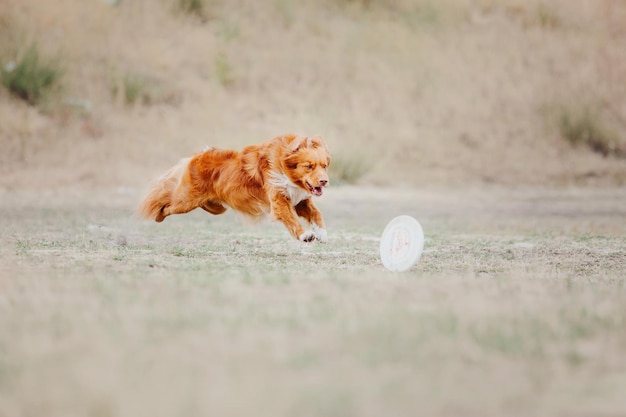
(317, 142)
(297, 143)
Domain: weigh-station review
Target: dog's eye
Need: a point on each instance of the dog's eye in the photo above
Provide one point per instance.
(324, 166)
(309, 166)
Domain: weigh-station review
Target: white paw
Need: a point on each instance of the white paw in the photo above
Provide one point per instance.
(320, 233)
(307, 236)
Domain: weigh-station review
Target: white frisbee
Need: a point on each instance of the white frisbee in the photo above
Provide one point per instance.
(401, 244)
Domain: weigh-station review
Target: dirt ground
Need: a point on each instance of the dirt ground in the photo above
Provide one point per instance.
(517, 307)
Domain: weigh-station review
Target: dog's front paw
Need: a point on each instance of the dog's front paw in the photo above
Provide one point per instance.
(321, 235)
(307, 236)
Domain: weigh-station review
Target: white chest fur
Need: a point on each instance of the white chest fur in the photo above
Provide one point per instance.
(288, 188)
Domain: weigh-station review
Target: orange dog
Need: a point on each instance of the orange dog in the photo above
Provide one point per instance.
(276, 178)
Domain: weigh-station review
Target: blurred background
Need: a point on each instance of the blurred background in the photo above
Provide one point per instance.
(109, 93)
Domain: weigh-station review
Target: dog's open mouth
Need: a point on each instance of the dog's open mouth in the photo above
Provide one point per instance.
(315, 190)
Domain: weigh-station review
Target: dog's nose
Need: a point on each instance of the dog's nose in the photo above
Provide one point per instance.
(323, 183)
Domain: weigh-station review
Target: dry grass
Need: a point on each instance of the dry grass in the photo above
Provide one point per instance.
(585, 127)
(516, 308)
(445, 92)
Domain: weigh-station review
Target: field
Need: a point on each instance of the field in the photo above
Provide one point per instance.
(499, 124)
(449, 92)
(517, 307)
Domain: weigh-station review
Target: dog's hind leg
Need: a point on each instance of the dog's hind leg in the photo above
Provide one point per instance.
(183, 200)
(179, 206)
(213, 208)
(168, 194)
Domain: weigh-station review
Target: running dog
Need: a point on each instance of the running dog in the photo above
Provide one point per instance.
(276, 178)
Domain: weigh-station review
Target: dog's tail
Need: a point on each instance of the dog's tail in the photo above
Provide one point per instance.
(160, 195)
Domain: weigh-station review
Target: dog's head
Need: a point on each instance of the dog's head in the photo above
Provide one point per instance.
(306, 162)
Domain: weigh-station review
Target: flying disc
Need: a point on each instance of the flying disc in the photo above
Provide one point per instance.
(401, 244)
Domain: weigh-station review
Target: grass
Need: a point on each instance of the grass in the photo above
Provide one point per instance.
(137, 88)
(196, 8)
(134, 88)
(224, 70)
(32, 77)
(386, 72)
(547, 17)
(350, 167)
(415, 14)
(585, 127)
(509, 311)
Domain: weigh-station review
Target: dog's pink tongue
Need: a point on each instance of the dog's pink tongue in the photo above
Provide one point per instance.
(317, 191)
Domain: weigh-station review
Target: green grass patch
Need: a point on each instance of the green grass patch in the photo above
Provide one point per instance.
(224, 70)
(547, 18)
(349, 167)
(32, 77)
(586, 127)
(193, 8)
(137, 88)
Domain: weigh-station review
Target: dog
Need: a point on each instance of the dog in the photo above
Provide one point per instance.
(277, 178)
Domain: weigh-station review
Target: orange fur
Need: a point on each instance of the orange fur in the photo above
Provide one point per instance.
(276, 178)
